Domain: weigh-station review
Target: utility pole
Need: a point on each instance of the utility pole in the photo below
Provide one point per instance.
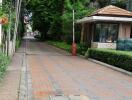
(74, 46)
(73, 25)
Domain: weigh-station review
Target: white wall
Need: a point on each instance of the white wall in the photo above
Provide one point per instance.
(103, 45)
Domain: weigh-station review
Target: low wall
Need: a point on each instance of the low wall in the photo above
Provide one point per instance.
(103, 45)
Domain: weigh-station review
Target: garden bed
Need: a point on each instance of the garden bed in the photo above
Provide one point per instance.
(61, 45)
(121, 59)
(81, 47)
(4, 61)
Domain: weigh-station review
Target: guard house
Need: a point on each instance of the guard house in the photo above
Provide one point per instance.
(105, 26)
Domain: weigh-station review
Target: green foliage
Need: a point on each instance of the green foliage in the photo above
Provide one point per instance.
(4, 61)
(113, 57)
(12, 24)
(82, 48)
(46, 15)
(18, 43)
(120, 3)
(55, 16)
(103, 3)
(7, 10)
(80, 11)
(69, 38)
(61, 45)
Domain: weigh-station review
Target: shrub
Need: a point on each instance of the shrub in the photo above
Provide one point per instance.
(18, 43)
(4, 61)
(82, 48)
(113, 57)
(69, 39)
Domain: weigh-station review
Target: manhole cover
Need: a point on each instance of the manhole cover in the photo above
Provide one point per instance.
(71, 97)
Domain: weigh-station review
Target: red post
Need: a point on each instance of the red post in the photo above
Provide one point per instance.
(74, 49)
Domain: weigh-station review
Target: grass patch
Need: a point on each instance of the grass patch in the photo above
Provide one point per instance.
(81, 48)
(62, 45)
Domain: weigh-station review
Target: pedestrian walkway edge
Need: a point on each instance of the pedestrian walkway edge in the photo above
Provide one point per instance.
(110, 66)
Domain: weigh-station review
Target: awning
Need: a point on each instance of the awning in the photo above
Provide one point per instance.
(104, 19)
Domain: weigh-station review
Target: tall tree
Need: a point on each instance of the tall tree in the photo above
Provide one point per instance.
(46, 15)
(81, 9)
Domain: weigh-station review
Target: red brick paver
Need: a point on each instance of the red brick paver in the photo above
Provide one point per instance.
(55, 72)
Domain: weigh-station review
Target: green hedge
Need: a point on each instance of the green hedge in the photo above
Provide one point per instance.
(4, 61)
(60, 44)
(82, 48)
(120, 59)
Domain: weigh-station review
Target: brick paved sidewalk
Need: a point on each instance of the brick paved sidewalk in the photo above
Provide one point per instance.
(55, 72)
(52, 74)
(9, 86)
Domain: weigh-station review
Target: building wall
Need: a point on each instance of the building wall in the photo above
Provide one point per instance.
(124, 31)
(88, 30)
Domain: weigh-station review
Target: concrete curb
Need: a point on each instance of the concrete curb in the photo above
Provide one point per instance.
(111, 67)
(25, 88)
(23, 82)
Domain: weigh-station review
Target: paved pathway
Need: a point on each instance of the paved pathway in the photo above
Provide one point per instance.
(9, 86)
(57, 73)
(48, 73)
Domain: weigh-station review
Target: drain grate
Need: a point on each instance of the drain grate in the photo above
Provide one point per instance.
(71, 97)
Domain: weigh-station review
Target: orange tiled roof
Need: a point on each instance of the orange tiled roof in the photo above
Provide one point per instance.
(112, 11)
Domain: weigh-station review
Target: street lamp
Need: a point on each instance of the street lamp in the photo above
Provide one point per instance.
(74, 46)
